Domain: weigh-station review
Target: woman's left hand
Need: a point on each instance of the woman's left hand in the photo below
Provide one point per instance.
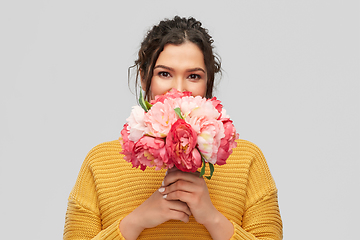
(191, 189)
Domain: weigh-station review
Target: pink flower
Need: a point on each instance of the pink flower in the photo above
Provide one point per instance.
(128, 146)
(227, 143)
(188, 104)
(160, 118)
(210, 132)
(203, 108)
(217, 104)
(172, 94)
(180, 144)
(151, 152)
(161, 138)
(136, 123)
(224, 115)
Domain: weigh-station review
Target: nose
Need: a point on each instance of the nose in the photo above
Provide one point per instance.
(179, 84)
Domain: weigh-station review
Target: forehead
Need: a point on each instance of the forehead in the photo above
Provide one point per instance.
(186, 55)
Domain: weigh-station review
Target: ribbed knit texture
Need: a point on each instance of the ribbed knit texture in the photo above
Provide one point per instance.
(108, 189)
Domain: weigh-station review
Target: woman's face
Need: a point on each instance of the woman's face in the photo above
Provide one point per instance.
(181, 67)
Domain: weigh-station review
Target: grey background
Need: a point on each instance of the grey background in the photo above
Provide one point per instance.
(291, 85)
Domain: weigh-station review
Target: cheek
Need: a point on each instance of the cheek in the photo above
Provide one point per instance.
(157, 87)
(204, 90)
(198, 89)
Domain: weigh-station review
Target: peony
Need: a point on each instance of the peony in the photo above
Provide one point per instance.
(224, 115)
(160, 118)
(217, 104)
(178, 129)
(151, 152)
(172, 94)
(180, 144)
(206, 108)
(227, 143)
(189, 103)
(136, 123)
(128, 146)
(210, 132)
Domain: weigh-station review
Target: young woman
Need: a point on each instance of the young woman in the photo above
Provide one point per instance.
(112, 200)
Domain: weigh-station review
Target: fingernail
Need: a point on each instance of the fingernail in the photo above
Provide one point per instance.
(161, 189)
(166, 172)
(162, 184)
(165, 196)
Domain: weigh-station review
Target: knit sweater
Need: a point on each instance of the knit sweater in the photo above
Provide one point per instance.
(108, 189)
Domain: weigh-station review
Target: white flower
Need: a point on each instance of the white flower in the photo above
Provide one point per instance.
(136, 123)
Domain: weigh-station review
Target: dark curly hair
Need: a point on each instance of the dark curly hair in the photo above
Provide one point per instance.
(175, 31)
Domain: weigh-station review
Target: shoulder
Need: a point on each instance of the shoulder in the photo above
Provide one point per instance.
(249, 153)
(241, 143)
(104, 152)
(113, 145)
(248, 148)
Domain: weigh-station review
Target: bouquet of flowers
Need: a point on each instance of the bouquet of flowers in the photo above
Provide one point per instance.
(177, 129)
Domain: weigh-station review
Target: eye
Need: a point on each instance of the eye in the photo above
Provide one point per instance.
(164, 74)
(194, 76)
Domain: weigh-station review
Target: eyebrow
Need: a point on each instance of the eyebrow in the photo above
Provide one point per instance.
(171, 69)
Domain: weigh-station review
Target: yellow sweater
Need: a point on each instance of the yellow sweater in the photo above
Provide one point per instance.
(108, 189)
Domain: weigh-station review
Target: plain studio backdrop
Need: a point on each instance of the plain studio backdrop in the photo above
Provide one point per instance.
(290, 83)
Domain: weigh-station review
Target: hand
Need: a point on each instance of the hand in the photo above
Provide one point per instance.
(151, 213)
(191, 189)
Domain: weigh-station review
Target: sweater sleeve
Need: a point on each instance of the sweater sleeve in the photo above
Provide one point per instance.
(83, 220)
(261, 219)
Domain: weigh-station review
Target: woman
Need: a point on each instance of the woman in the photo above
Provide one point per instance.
(111, 200)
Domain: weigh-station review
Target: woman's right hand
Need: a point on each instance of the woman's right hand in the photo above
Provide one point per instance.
(151, 213)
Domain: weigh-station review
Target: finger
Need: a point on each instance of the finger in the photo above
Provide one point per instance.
(173, 169)
(197, 173)
(174, 176)
(179, 185)
(176, 215)
(185, 197)
(179, 206)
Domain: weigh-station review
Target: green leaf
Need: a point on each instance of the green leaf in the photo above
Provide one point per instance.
(148, 105)
(202, 172)
(142, 102)
(211, 171)
(178, 112)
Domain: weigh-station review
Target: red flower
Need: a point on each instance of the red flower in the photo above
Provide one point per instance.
(128, 147)
(227, 143)
(180, 145)
(150, 151)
